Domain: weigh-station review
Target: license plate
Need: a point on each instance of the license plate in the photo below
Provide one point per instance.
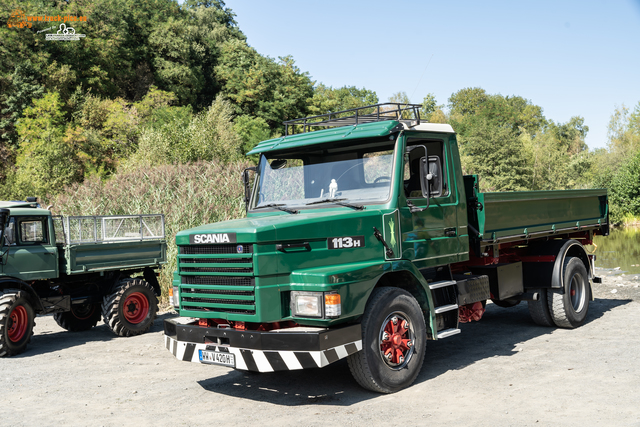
(217, 358)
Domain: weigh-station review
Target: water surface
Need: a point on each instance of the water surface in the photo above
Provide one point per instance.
(620, 249)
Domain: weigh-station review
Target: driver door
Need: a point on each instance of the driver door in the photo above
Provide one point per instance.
(428, 225)
(32, 255)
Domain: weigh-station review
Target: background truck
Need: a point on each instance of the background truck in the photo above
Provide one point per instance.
(79, 269)
(365, 240)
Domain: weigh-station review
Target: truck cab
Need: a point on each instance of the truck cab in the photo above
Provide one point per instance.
(30, 244)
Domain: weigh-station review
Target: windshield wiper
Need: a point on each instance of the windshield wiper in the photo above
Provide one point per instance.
(277, 206)
(338, 202)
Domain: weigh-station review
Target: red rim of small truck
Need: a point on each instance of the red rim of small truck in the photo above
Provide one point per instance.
(19, 321)
(136, 308)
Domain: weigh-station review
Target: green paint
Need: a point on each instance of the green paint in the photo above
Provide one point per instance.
(436, 236)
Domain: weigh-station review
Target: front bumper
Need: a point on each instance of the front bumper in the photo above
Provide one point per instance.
(278, 350)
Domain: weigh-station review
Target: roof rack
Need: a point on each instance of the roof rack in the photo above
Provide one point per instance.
(367, 114)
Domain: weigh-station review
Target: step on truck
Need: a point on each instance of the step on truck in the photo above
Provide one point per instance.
(78, 268)
(363, 240)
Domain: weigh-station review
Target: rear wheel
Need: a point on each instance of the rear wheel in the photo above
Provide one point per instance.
(131, 308)
(539, 310)
(569, 309)
(394, 339)
(16, 322)
(81, 317)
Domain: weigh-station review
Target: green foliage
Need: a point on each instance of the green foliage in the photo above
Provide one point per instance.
(45, 163)
(624, 189)
(261, 87)
(188, 195)
(251, 131)
(25, 86)
(326, 99)
(624, 134)
(208, 136)
(497, 155)
(431, 111)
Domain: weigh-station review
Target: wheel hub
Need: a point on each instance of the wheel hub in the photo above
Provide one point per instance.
(396, 341)
(18, 320)
(136, 308)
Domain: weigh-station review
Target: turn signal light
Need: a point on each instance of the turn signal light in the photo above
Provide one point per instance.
(332, 305)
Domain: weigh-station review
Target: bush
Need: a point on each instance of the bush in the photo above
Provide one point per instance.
(188, 195)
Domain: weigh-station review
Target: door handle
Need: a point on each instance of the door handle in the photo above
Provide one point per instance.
(450, 232)
(283, 247)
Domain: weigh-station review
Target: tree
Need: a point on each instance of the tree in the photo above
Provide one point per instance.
(261, 87)
(45, 163)
(431, 111)
(25, 86)
(497, 155)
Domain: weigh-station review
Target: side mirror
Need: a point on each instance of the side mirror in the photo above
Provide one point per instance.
(247, 188)
(4, 216)
(431, 176)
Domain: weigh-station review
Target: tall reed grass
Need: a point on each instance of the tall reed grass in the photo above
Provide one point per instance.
(188, 195)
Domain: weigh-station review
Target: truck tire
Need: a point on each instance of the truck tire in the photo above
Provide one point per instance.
(16, 322)
(81, 317)
(569, 309)
(394, 338)
(131, 308)
(539, 310)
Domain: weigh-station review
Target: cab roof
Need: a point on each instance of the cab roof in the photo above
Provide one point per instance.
(24, 208)
(345, 133)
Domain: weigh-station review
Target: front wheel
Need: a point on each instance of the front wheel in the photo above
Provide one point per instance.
(131, 308)
(569, 308)
(81, 317)
(394, 338)
(16, 322)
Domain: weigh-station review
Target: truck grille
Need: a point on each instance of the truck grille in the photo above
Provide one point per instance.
(217, 278)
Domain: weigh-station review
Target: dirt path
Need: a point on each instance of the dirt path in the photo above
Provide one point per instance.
(502, 371)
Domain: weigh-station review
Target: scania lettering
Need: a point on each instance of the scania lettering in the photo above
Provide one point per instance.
(363, 240)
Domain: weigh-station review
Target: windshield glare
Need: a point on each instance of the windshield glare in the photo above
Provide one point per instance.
(296, 180)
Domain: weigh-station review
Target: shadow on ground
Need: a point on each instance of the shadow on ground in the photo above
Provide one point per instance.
(44, 341)
(497, 334)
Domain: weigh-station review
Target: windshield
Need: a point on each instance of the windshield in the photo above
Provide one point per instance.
(300, 179)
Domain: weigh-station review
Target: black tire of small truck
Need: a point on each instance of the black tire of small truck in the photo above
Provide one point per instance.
(80, 318)
(367, 366)
(569, 309)
(131, 308)
(539, 310)
(16, 322)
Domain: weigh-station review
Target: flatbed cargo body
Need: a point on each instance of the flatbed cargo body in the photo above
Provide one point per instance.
(373, 227)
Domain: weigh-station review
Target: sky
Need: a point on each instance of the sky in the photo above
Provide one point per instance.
(572, 58)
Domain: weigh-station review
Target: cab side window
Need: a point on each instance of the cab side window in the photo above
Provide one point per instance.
(412, 165)
(32, 231)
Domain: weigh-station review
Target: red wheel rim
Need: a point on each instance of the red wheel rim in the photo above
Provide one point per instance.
(396, 341)
(19, 321)
(136, 308)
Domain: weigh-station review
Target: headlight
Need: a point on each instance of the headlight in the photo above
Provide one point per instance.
(306, 304)
(315, 304)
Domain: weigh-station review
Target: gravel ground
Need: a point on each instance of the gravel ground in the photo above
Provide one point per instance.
(501, 371)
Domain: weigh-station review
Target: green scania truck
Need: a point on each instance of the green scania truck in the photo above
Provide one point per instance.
(363, 240)
(78, 268)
